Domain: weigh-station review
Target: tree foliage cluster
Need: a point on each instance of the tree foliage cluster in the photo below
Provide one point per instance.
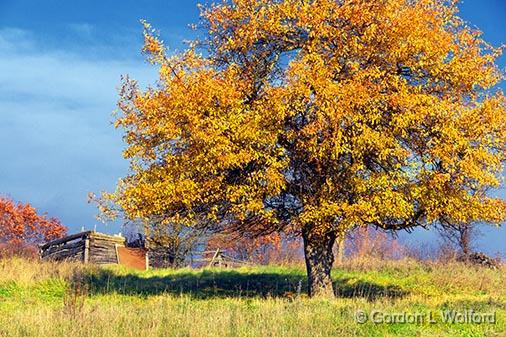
(22, 224)
(318, 116)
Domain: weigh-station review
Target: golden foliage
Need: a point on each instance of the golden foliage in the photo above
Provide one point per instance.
(324, 114)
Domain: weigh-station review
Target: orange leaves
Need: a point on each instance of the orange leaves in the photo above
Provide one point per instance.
(186, 136)
(318, 113)
(21, 223)
(153, 47)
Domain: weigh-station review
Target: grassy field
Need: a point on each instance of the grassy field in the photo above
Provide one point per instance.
(43, 299)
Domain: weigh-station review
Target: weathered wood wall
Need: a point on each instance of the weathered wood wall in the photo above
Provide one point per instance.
(71, 251)
(69, 248)
(88, 247)
(103, 250)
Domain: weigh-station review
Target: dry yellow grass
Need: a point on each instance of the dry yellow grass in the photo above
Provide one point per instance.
(49, 299)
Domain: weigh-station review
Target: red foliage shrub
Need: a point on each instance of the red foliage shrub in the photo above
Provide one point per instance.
(21, 225)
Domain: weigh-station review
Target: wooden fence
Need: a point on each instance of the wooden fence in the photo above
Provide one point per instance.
(97, 248)
(218, 258)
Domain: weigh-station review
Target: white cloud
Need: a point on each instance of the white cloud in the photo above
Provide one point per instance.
(55, 113)
(61, 75)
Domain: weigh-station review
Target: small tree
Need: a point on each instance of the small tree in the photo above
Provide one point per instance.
(461, 236)
(169, 245)
(316, 117)
(172, 245)
(21, 224)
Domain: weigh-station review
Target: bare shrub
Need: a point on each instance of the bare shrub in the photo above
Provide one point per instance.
(365, 242)
(276, 248)
(75, 295)
(461, 237)
(27, 251)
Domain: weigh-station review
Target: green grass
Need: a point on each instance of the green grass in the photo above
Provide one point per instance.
(45, 299)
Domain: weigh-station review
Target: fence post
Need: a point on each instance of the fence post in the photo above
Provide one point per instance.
(86, 256)
(214, 257)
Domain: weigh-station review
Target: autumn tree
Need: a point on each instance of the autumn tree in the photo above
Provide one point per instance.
(460, 236)
(317, 116)
(168, 245)
(171, 245)
(21, 224)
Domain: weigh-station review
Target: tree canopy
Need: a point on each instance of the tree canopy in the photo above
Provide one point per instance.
(21, 224)
(317, 116)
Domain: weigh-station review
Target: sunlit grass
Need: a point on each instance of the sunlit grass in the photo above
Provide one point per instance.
(46, 299)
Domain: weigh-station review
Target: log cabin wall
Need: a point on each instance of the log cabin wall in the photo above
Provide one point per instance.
(66, 252)
(103, 248)
(70, 248)
(88, 247)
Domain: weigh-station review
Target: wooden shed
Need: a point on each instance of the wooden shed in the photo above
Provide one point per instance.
(96, 248)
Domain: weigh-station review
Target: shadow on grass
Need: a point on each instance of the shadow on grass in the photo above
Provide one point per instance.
(351, 288)
(227, 283)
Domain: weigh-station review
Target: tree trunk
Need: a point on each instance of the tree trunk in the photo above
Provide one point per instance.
(319, 260)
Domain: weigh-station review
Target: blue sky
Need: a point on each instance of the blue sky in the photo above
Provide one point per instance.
(60, 66)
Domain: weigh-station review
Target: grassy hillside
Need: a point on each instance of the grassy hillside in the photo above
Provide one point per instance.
(43, 299)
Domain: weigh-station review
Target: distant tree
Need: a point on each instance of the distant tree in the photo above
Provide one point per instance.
(316, 117)
(21, 224)
(460, 236)
(169, 245)
(173, 245)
